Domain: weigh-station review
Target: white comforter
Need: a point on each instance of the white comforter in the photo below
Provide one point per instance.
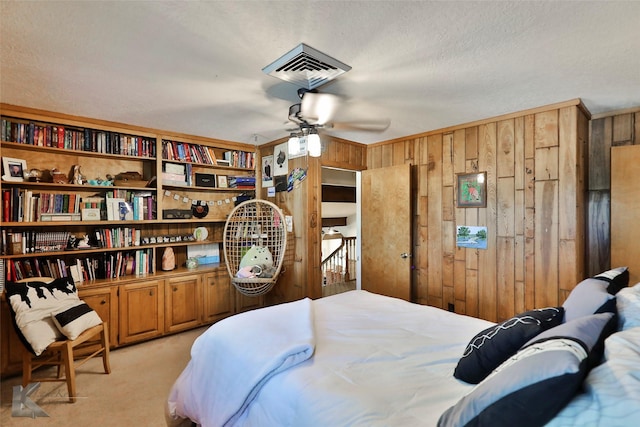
(377, 361)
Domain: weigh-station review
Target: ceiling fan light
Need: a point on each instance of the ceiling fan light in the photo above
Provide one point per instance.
(313, 144)
(293, 144)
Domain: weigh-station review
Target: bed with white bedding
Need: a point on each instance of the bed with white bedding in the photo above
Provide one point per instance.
(364, 359)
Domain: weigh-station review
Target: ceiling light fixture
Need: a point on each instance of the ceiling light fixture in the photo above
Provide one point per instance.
(313, 143)
(293, 144)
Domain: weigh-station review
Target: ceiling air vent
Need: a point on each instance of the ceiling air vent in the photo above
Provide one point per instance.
(306, 67)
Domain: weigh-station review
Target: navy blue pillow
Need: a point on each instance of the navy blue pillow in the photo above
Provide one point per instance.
(530, 388)
(617, 278)
(488, 349)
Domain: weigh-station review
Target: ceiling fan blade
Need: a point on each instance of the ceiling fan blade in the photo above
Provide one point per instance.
(319, 108)
(362, 125)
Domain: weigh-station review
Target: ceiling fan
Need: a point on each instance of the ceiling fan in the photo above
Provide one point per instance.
(317, 111)
(309, 69)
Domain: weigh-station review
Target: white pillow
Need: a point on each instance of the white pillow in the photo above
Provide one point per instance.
(628, 304)
(75, 320)
(33, 304)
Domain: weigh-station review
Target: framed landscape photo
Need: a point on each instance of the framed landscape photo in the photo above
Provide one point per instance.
(14, 169)
(472, 190)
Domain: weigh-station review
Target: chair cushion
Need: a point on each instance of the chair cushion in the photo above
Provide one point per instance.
(32, 304)
(75, 320)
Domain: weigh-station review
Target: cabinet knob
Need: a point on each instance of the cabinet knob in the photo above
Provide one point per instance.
(151, 293)
(103, 302)
(175, 289)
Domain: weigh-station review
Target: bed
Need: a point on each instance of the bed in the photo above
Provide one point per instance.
(362, 359)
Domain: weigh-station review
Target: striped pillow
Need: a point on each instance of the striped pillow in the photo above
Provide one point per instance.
(75, 320)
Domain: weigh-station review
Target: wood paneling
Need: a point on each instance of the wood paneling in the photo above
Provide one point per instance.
(534, 226)
(606, 130)
(301, 275)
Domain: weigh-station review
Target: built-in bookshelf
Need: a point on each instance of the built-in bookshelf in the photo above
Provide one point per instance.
(70, 179)
(91, 199)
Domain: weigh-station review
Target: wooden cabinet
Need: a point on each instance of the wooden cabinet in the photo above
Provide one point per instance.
(246, 303)
(183, 303)
(217, 292)
(141, 311)
(105, 302)
(10, 345)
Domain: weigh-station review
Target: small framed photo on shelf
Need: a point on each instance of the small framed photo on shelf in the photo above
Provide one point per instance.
(222, 181)
(14, 169)
(471, 190)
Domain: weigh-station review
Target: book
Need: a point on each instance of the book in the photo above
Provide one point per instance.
(126, 211)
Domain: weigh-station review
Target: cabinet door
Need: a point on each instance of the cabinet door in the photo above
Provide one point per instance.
(182, 303)
(218, 297)
(105, 302)
(10, 345)
(246, 303)
(141, 311)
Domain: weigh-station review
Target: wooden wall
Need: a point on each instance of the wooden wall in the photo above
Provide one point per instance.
(302, 276)
(606, 131)
(535, 215)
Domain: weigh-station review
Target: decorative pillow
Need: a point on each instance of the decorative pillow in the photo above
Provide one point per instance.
(75, 320)
(257, 255)
(586, 298)
(628, 302)
(488, 349)
(536, 383)
(32, 304)
(617, 278)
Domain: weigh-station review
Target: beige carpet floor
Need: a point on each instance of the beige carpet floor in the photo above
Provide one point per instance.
(134, 394)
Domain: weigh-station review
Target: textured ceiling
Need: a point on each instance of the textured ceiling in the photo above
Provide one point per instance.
(195, 67)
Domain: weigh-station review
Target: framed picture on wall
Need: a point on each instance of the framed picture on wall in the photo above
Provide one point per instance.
(471, 190)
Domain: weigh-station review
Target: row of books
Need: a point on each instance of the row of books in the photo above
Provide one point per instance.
(122, 237)
(133, 207)
(82, 139)
(30, 241)
(186, 152)
(23, 205)
(111, 265)
(240, 159)
(19, 269)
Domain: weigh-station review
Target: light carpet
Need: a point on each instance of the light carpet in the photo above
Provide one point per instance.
(134, 394)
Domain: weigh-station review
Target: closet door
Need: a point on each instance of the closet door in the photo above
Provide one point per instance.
(625, 209)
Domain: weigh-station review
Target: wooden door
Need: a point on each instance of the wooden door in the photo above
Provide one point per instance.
(386, 231)
(625, 205)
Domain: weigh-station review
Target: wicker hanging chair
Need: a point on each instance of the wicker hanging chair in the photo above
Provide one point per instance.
(256, 226)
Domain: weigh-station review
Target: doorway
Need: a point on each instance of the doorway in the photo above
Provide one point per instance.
(340, 230)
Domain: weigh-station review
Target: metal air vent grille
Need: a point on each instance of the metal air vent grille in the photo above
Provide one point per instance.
(306, 67)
